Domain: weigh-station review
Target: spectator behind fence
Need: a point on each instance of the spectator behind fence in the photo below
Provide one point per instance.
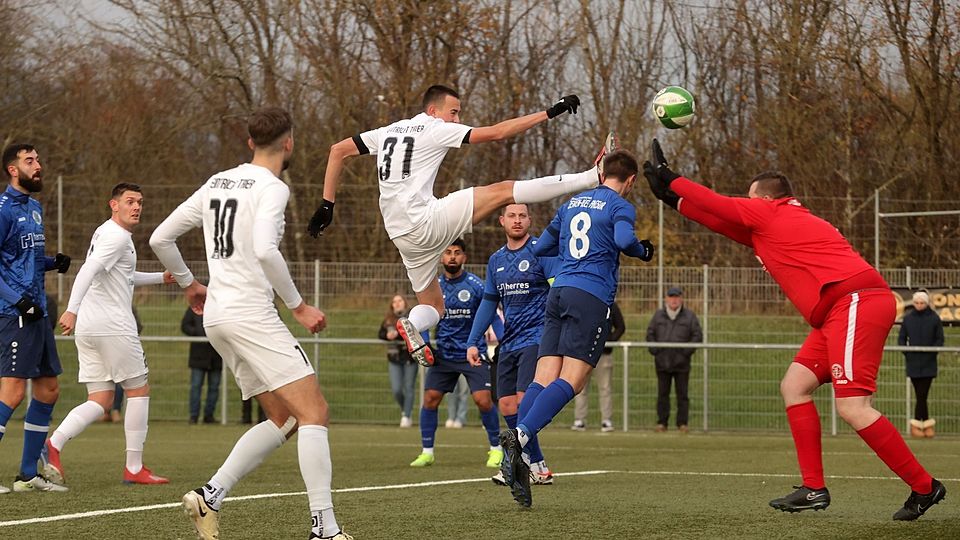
(604, 376)
(204, 362)
(403, 370)
(673, 323)
(921, 328)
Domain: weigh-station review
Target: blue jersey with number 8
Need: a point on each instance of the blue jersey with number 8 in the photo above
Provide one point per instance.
(589, 255)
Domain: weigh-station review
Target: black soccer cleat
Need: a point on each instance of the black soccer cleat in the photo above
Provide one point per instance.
(918, 504)
(802, 499)
(516, 473)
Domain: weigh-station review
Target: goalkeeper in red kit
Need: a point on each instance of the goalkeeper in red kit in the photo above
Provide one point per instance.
(846, 302)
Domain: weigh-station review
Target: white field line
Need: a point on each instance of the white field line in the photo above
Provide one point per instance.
(97, 513)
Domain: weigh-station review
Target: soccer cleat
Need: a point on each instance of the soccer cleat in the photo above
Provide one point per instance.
(610, 145)
(339, 536)
(516, 473)
(494, 458)
(541, 478)
(498, 479)
(206, 520)
(423, 460)
(415, 345)
(803, 498)
(405, 422)
(606, 426)
(918, 504)
(4, 489)
(37, 483)
(145, 476)
(579, 425)
(50, 464)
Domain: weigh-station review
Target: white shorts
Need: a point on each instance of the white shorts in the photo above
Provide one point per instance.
(447, 219)
(110, 358)
(262, 355)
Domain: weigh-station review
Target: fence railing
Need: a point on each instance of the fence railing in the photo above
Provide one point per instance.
(733, 386)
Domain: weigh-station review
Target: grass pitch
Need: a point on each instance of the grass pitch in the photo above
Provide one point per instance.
(634, 485)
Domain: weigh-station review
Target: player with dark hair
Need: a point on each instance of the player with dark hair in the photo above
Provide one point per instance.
(846, 302)
(27, 348)
(409, 153)
(462, 294)
(241, 211)
(518, 280)
(590, 231)
(108, 342)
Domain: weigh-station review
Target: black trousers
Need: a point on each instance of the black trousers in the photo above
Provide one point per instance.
(681, 381)
(921, 387)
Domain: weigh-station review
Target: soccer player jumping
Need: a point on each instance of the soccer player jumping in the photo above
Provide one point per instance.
(409, 153)
(844, 299)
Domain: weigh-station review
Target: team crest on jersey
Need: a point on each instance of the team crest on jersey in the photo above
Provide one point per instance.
(524, 265)
(463, 295)
(36, 217)
(837, 371)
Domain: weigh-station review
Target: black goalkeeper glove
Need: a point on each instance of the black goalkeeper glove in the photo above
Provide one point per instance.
(321, 219)
(62, 263)
(647, 250)
(29, 310)
(657, 188)
(660, 165)
(565, 104)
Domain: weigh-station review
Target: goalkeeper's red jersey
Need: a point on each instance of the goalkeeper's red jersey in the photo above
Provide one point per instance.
(807, 256)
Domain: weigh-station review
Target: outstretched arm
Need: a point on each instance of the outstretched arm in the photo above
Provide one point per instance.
(734, 231)
(515, 126)
(725, 208)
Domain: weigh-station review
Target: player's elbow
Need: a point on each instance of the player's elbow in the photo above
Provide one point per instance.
(157, 240)
(264, 252)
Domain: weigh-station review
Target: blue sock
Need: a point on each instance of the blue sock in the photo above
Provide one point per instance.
(551, 401)
(532, 448)
(491, 423)
(35, 428)
(428, 426)
(6, 412)
(511, 420)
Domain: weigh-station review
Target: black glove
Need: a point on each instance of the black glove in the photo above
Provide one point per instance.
(660, 165)
(648, 250)
(321, 219)
(61, 262)
(656, 186)
(565, 104)
(29, 310)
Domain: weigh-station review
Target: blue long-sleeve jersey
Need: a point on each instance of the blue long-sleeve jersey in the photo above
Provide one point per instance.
(461, 298)
(22, 258)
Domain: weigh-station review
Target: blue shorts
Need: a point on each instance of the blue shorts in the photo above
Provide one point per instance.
(576, 324)
(443, 376)
(515, 370)
(28, 352)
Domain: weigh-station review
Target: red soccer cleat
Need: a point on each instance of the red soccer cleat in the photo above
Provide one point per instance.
(50, 464)
(145, 476)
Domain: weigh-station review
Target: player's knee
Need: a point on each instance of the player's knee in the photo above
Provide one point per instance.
(12, 396)
(431, 400)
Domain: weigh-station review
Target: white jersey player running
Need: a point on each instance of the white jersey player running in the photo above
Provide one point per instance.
(100, 312)
(409, 153)
(242, 214)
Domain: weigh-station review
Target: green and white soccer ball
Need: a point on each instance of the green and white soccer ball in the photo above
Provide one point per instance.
(674, 107)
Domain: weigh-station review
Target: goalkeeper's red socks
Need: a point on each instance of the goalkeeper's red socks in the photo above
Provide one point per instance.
(805, 427)
(890, 447)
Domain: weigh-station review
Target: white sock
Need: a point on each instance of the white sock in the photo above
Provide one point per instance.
(135, 428)
(427, 451)
(550, 187)
(313, 450)
(251, 449)
(497, 447)
(423, 317)
(76, 421)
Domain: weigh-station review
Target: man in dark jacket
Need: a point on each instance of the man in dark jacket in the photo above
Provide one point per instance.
(673, 323)
(922, 328)
(204, 361)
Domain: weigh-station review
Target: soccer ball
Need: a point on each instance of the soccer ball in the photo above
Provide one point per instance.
(674, 107)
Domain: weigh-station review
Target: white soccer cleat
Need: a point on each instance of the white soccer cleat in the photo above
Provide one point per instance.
(206, 520)
(4, 489)
(498, 479)
(37, 483)
(339, 536)
(610, 145)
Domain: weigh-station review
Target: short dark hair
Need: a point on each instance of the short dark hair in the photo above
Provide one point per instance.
(460, 244)
(437, 93)
(268, 124)
(124, 186)
(620, 164)
(12, 153)
(773, 184)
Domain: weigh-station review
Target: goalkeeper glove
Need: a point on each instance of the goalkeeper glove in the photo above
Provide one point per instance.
(566, 103)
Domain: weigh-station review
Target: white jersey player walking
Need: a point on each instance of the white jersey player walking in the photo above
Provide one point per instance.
(242, 214)
(409, 153)
(100, 312)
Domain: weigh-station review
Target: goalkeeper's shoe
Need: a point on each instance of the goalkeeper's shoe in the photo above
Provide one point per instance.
(917, 504)
(37, 483)
(339, 536)
(610, 145)
(145, 476)
(205, 520)
(494, 458)
(802, 499)
(423, 460)
(50, 466)
(419, 350)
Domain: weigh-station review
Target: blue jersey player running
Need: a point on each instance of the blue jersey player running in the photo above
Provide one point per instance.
(517, 279)
(27, 349)
(462, 294)
(590, 231)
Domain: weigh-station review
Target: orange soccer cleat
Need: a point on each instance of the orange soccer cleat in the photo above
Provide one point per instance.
(145, 476)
